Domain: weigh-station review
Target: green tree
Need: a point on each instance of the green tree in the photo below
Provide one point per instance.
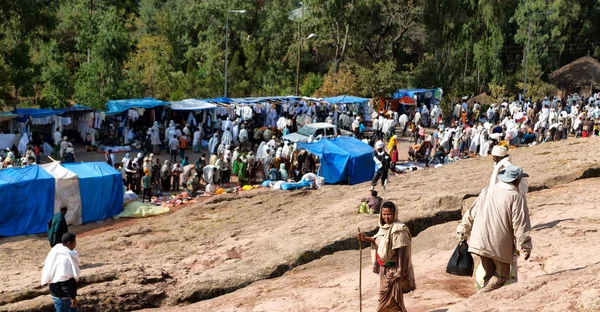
(55, 77)
(312, 82)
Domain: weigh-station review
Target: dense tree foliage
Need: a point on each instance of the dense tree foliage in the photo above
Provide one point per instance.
(88, 51)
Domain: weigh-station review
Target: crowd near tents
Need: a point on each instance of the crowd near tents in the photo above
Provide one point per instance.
(30, 195)
(94, 191)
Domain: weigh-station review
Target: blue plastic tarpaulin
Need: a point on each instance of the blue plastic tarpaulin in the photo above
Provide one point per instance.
(26, 200)
(39, 112)
(119, 106)
(219, 100)
(343, 159)
(345, 99)
(362, 166)
(433, 93)
(101, 189)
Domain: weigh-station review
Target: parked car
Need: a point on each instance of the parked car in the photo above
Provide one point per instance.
(322, 129)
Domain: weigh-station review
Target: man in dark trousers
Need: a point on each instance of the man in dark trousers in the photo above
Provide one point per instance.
(382, 160)
(57, 226)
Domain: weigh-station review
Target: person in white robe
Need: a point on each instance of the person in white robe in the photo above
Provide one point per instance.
(227, 137)
(497, 224)
(212, 144)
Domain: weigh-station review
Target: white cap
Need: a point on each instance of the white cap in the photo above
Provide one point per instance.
(499, 151)
(379, 144)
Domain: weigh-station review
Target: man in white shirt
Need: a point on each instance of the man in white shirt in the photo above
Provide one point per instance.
(174, 148)
(57, 139)
(61, 272)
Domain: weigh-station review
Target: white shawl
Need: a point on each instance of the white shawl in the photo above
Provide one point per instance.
(61, 265)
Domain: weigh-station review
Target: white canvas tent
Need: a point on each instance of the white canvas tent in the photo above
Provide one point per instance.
(66, 191)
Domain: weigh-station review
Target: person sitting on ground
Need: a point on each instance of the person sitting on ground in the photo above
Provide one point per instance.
(185, 161)
(283, 172)
(273, 174)
(69, 154)
(61, 272)
(374, 201)
(63, 146)
(440, 155)
(57, 227)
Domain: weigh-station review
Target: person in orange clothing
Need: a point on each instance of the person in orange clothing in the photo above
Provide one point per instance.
(183, 141)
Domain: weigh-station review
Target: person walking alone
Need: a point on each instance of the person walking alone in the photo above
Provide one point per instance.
(382, 160)
(495, 224)
(57, 227)
(61, 272)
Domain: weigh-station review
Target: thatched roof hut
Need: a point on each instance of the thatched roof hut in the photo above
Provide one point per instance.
(482, 99)
(580, 75)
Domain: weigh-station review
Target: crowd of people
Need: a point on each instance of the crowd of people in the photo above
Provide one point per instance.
(492, 223)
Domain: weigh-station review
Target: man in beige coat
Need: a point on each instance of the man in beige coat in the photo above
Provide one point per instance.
(495, 223)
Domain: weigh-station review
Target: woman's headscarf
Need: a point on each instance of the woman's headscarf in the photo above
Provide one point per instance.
(394, 236)
(166, 167)
(283, 171)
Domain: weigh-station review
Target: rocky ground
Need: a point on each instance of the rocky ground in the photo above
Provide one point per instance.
(561, 275)
(269, 250)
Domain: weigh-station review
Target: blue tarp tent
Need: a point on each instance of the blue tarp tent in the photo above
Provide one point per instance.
(427, 94)
(345, 99)
(39, 112)
(26, 200)
(101, 189)
(119, 106)
(343, 159)
(219, 100)
(362, 166)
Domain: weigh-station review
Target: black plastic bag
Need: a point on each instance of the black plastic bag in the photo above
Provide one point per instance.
(461, 263)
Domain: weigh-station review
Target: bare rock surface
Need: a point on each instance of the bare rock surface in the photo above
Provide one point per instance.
(205, 250)
(562, 274)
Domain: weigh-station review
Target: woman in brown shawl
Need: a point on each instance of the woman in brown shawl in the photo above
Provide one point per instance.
(396, 275)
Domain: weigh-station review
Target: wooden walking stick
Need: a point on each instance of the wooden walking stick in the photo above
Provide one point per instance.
(360, 274)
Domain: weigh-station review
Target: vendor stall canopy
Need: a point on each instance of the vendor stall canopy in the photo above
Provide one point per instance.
(48, 112)
(254, 100)
(407, 96)
(118, 106)
(343, 159)
(192, 105)
(345, 99)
